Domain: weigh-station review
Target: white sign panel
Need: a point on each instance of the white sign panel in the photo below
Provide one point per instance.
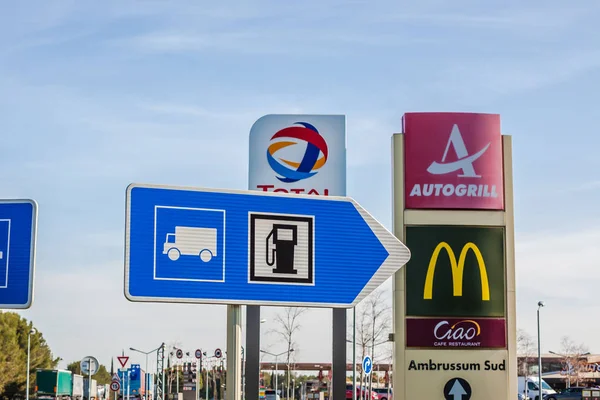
(303, 154)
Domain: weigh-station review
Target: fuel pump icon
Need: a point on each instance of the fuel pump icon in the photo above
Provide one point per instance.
(280, 246)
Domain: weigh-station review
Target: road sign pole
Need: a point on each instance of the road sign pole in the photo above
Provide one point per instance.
(354, 353)
(234, 335)
(198, 369)
(206, 382)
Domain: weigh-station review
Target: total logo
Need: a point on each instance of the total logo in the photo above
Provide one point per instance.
(464, 163)
(308, 165)
(460, 333)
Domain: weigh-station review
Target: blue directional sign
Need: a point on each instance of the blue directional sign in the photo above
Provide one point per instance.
(367, 365)
(18, 219)
(248, 247)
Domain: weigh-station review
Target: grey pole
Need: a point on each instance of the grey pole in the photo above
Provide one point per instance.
(354, 353)
(276, 365)
(276, 375)
(338, 362)
(146, 376)
(31, 332)
(540, 305)
(372, 361)
(234, 336)
(252, 356)
(243, 375)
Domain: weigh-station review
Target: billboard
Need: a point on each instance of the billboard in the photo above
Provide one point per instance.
(455, 271)
(456, 333)
(303, 154)
(453, 161)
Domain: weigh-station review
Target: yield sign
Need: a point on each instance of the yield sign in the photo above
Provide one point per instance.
(123, 360)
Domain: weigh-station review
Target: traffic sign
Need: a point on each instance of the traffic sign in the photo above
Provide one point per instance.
(457, 389)
(247, 247)
(198, 353)
(179, 353)
(115, 386)
(367, 365)
(116, 377)
(123, 360)
(218, 353)
(18, 225)
(89, 365)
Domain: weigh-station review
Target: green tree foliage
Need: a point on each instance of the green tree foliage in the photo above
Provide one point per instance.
(14, 331)
(103, 377)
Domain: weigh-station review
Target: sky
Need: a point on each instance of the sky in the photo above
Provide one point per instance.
(96, 95)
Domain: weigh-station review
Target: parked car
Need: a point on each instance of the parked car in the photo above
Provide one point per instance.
(359, 392)
(270, 394)
(382, 393)
(572, 393)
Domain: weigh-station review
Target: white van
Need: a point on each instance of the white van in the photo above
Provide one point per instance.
(532, 387)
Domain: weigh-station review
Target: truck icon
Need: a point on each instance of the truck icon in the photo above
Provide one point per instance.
(191, 241)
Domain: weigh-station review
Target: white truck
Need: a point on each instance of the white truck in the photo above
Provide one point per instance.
(533, 391)
(191, 241)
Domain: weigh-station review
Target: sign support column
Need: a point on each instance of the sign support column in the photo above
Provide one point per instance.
(456, 214)
(252, 352)
(234, 352)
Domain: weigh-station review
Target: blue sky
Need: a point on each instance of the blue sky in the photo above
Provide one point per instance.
(100, 94)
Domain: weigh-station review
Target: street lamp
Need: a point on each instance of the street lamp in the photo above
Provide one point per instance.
(540, 305)
(147, 378)
(32, 331)
(276, 365)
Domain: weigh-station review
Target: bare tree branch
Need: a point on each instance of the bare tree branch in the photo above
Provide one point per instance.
(373, 322)
(526, 348)
(288, 325)
(574, 360)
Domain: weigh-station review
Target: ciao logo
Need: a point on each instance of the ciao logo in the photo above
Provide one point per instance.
(456, 333)
(466, 329)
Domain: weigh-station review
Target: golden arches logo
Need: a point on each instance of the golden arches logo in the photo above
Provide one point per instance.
(458, 268)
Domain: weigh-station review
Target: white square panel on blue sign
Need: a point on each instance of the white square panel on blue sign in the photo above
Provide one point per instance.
(18, 220)
(189, 244)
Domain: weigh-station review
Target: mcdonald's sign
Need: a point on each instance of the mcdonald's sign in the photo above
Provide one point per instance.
(440, 284)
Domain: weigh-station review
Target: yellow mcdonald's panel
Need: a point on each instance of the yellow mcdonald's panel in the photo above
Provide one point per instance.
(458, 268)
(469, 282)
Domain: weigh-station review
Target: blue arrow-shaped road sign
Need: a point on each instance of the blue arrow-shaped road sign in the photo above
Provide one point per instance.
(247, 247)
(18, 220)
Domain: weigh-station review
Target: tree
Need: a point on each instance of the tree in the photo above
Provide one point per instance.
(379, 320)
(14, 331)
(102, 376)
(573, 360)
(372, 327)
(288, 324)
(526, 349)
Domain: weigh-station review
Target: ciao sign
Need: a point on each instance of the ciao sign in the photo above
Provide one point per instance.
(456, 333)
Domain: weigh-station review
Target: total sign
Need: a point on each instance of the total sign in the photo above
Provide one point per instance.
(302, 154)
(453, 161)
